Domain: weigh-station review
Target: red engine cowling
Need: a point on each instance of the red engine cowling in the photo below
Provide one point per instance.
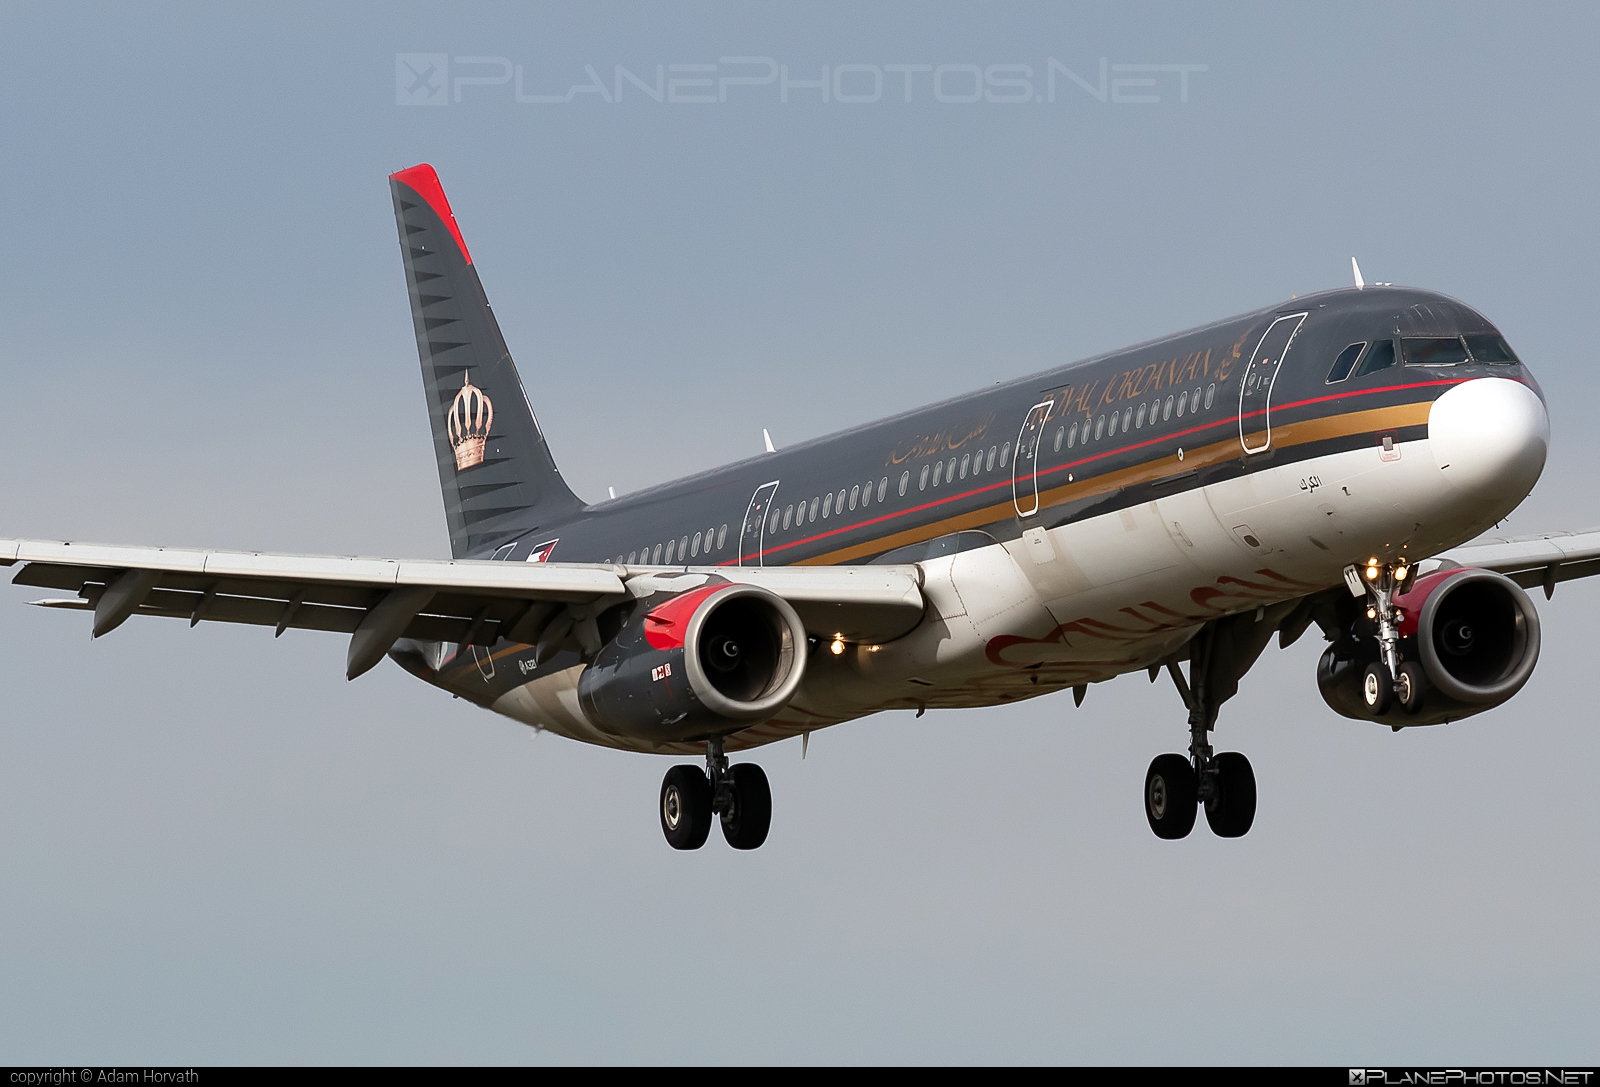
(696, 664)
(1475, 632)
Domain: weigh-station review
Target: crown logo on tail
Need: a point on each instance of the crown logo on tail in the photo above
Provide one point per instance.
(471, 416)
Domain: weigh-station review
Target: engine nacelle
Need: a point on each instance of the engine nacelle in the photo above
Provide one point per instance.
(702, 663)
(1475, 632)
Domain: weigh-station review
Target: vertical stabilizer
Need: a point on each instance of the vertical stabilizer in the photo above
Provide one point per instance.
(496, 472)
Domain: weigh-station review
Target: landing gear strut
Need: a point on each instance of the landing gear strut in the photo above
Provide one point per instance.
(739, 795)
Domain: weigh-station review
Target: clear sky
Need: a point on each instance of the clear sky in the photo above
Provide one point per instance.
(214, 849)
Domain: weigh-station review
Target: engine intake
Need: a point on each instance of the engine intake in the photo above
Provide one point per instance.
(702, 663)
(1477, 634)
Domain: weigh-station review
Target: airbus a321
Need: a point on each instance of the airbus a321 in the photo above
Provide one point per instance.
(1170, 507)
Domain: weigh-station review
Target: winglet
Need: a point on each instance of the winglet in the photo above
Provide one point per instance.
(1361, 284)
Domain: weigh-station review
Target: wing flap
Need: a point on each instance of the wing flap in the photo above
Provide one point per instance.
(467, 601)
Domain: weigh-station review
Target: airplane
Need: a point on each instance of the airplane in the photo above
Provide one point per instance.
(1331, 460)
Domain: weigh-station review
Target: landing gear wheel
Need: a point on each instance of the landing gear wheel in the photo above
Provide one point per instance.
(1409, 686)
(1169, 796)
(1377, 689)
(747, 820)
(686, 807)
(1233, 809)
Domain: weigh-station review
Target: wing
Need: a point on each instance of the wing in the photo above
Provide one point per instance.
(1534, 560)
(377, 601)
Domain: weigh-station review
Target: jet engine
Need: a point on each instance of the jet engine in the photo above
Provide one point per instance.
(699, 664)
(1474, 632)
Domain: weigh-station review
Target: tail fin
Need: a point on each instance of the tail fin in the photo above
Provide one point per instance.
(496, 472)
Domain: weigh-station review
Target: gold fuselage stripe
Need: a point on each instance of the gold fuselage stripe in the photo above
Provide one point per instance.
(1286, 435)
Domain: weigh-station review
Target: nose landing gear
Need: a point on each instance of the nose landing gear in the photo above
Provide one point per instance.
(1390, 678)
(738, 795)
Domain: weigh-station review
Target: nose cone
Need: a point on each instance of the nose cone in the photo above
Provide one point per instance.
(1489, 438)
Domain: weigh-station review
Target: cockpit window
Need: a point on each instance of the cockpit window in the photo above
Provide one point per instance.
(1380, 356)
(1434, 350)
(1346, 360)
(1488, 347)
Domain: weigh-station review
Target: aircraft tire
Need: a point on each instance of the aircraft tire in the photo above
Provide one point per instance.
(685, 807)
(1169, 796)
(1409, 686)
(1377, 689)
(1232, 812)
(746, 823)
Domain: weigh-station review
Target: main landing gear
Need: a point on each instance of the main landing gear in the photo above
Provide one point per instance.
(1223, 783)
(739, 795)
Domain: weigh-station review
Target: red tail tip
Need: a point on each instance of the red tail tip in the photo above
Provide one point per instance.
(423, 180)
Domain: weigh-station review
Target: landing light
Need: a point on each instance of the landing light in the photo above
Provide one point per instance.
(1400, 573)
(838, 644)
(1372, 613)
(1372, 573)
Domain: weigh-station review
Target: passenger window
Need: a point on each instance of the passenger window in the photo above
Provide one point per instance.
(967, 459)
(632, 555)
(950, 470)
(772, 523)
(866, 493)
(1111, 428)
(1194, 400)
(827, 505)
(1346, 360)
(657, 560)
(1061, 433)
(671, 546)
(683, 548)
(1005, 454)
(854, 491)
(1380, 356)
(788, 517)
(922, 479)
(1488, 347)
(938, 473)
(1072, 436)
(991, 458)
(905, 482)
(838, 503)
(1434, 350)
(1139, 421)
(722, 536)
(814, 502)
(1099, 427)
(1127, 417)
(1211, 393)
(1183, 399)
(1166, 409)
(694, 546)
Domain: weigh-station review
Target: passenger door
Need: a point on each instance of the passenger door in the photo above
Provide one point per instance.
(754, 532)
(1255, 389)
(1025, 462)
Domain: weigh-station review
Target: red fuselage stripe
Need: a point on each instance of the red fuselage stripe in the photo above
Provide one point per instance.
(1088, 460)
